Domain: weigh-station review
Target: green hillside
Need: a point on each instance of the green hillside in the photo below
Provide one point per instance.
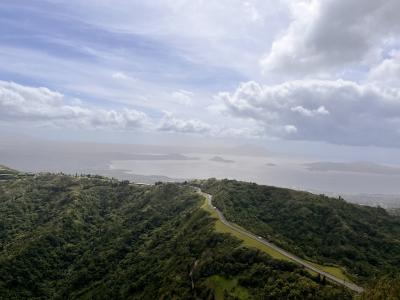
(365, 241)
(7, 173)
(64, 237)
(385, 288)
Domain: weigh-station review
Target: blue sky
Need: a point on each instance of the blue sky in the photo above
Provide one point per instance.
(272, 72)
(42, 30)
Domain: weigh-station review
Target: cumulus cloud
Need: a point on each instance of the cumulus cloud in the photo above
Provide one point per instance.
(170, 123)
(334, 111)
(44, 106)
(329, 35)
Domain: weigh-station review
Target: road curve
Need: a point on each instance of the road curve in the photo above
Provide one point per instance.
(291, 256)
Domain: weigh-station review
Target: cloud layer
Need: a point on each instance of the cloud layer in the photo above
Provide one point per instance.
(314, 70)
(334, 111)
(330, 36)
(43, 106)
(170, 123)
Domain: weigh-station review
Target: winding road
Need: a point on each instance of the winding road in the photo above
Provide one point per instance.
(291, 256)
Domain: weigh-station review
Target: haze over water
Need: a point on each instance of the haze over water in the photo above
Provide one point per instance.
(277, 171)
(150, 163)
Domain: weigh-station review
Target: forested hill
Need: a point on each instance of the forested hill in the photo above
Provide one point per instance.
(64, 237)
(363, 240)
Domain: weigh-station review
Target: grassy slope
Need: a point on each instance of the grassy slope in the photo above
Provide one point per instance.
(364, 240)
(248, 242)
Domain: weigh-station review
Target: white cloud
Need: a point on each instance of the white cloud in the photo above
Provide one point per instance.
(329, 36)
(219, 31)
(290, 129)
(310, 112)
(43, 106)
(334, 111)
(251, 11)
(144, 54)
(183, 97)
(39, 106)
(120, 75)
(170, 123)
(388, 71)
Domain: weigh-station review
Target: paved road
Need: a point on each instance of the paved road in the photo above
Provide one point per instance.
(291, 256)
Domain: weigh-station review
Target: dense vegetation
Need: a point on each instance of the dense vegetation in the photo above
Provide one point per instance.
(7, 173)
(365, 240)
(64, 237)
(385, 288)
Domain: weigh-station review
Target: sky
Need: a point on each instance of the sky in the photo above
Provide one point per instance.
(297, 76)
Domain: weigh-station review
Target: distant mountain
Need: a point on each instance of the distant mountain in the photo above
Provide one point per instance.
(221, 160)
(6, 170)
(8, 173)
